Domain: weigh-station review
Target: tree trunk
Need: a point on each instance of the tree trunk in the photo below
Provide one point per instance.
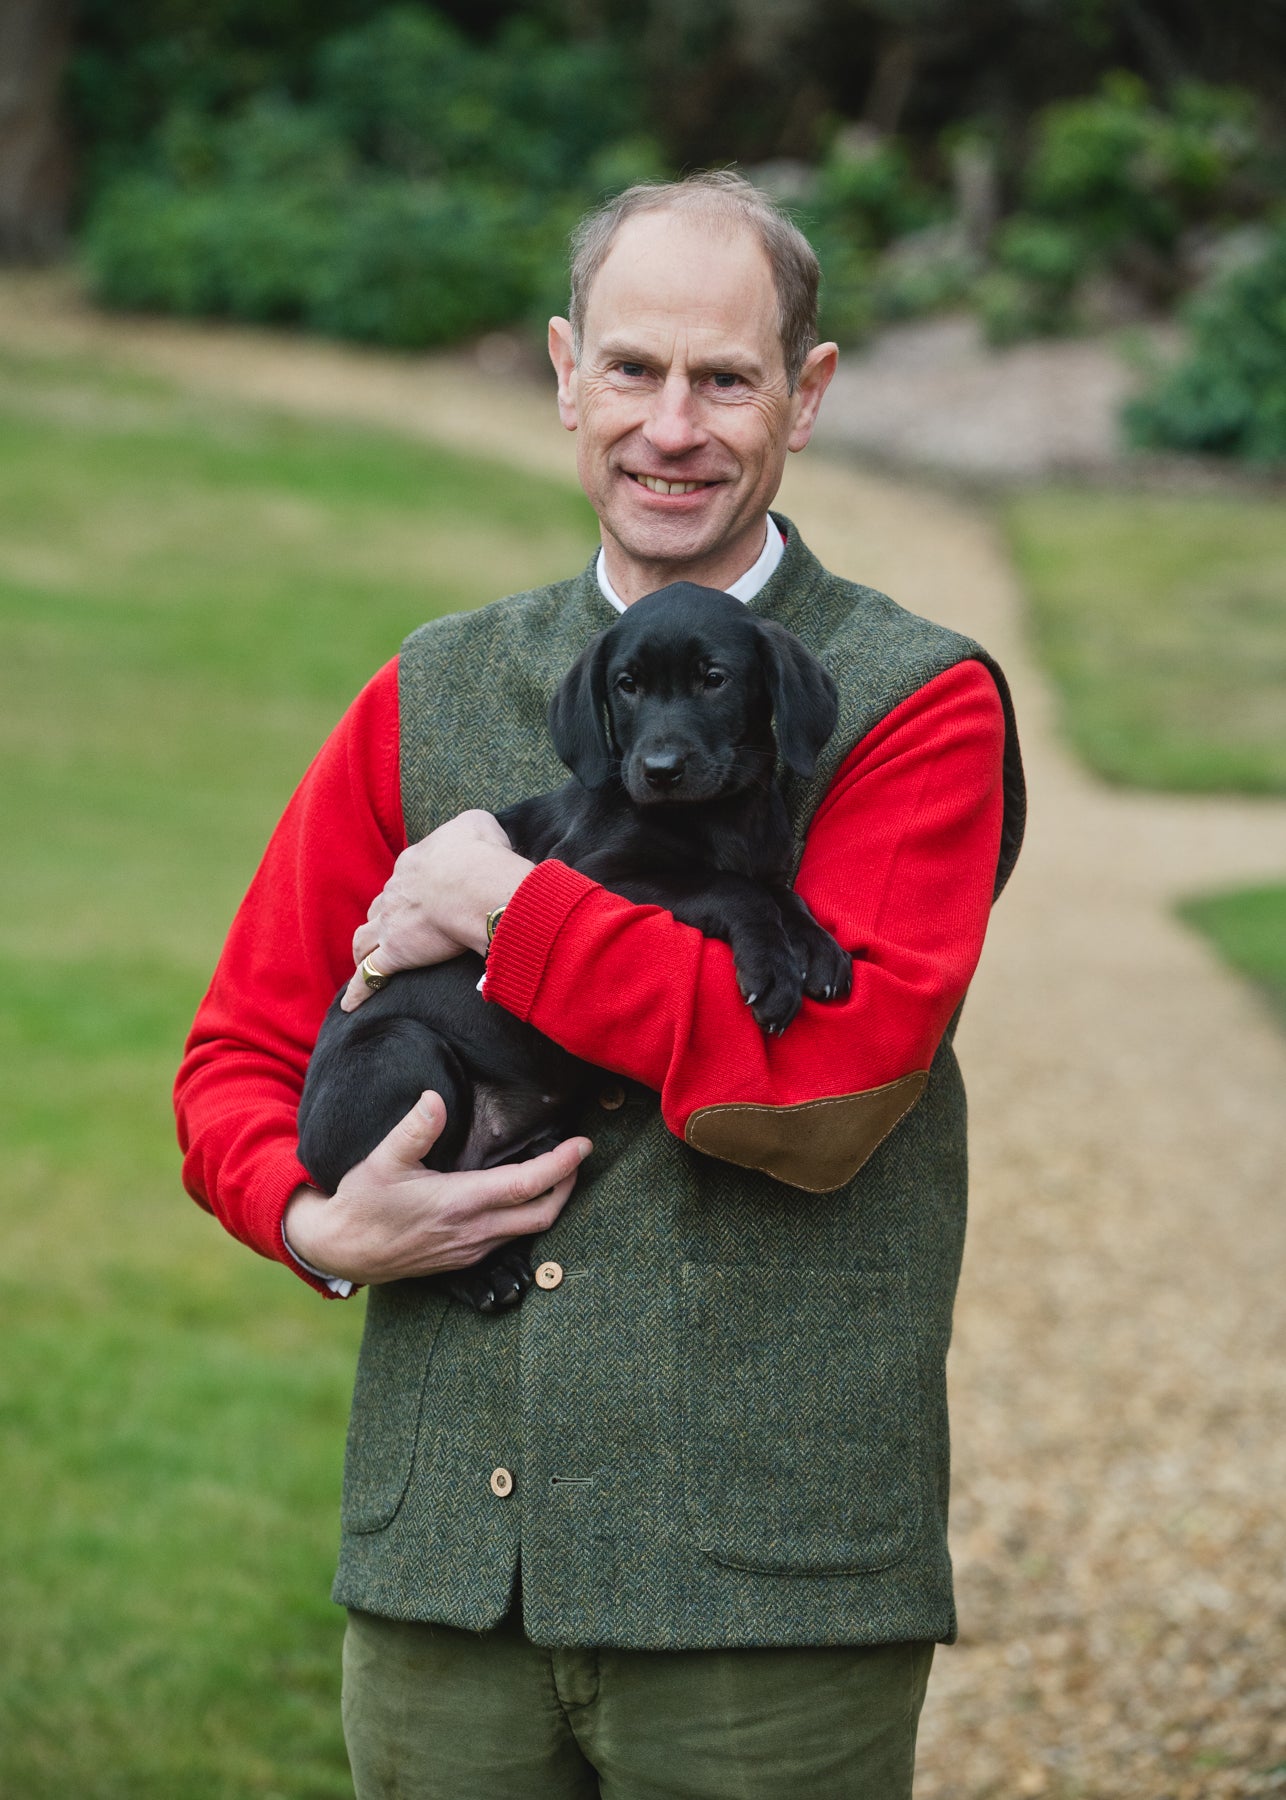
(891, 84)
(35, 155)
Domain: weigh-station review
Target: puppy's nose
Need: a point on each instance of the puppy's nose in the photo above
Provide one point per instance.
(663, 769)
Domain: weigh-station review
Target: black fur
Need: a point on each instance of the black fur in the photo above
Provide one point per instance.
(667, 725)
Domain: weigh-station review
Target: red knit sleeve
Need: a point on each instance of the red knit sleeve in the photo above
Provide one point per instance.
(899, 864)
(289, 949)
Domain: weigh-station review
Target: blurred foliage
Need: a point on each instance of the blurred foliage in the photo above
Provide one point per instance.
(1228, 395)
(1120, 202)
(410, 176)
(420, 195)
(1121, 185)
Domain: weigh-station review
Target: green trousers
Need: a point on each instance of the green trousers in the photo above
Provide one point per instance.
(432, 1713)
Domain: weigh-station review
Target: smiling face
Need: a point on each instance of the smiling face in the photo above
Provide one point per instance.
(680, 401)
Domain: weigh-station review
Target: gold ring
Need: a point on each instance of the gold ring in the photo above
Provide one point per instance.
(372, 976)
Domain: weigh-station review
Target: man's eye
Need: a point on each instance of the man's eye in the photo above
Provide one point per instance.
(633, 370)
(727, 381)
(714, 678)
(626, 684)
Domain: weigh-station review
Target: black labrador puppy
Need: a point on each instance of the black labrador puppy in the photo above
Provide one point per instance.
(667, 724)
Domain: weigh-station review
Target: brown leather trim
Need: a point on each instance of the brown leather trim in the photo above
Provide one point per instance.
(817, 1145)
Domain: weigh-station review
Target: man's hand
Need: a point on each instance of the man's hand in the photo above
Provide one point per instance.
(436, 901)
(391, 1218)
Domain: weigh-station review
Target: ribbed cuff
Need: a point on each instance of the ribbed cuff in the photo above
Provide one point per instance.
(290, 1176)
(537, 910)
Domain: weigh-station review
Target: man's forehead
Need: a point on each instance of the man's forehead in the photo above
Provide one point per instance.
(668, 269)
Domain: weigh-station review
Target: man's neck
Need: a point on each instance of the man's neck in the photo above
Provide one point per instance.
(630, 579)
(744, 585)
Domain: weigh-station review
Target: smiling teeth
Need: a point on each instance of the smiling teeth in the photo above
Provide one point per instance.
(658, 486)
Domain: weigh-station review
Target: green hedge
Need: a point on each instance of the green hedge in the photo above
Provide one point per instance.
(1227, 397)
(420, 195)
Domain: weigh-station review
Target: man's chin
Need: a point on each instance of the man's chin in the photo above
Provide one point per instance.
(688, 537)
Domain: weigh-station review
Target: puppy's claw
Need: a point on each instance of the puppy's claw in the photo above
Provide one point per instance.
(751, 998)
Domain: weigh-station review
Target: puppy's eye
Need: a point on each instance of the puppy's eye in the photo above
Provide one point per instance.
(626, 684)
(714, 678)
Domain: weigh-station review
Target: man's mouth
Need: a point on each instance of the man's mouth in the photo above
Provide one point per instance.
(656, 485)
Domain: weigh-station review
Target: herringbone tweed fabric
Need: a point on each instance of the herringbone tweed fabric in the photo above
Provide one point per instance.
(727, 1425)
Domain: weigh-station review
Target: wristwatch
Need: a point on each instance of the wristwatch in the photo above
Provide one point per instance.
(493, 919)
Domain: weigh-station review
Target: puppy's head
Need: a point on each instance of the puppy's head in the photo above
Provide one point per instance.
(680, 698)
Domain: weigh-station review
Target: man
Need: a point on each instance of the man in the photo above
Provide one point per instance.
(676, 1525)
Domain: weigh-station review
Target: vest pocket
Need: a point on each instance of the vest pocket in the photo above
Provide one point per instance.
(403, 1320)
(799, 1402)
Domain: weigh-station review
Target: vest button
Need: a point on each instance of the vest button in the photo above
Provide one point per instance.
(549, 1274)
(502, 1482)
(612, 1097)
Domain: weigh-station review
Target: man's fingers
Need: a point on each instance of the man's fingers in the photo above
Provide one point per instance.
(414, 1136)
(357, 989)
(536, 1215)
(520, 1183)
(355, 993)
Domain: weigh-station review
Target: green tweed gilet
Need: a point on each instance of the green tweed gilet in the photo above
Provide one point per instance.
(727, 1424)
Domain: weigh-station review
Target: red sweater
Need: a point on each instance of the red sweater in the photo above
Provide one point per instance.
(899, 864)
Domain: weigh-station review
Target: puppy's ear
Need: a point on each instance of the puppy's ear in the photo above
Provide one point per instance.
(577, 721)
(804, 702)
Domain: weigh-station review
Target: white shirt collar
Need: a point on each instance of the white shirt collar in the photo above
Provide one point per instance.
(744, 588)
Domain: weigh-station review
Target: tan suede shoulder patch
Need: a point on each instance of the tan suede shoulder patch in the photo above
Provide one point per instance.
(817, 1145)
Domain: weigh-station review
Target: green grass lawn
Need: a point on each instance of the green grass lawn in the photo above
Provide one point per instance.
(1161, 620)
(189, 595)
(1249, 928)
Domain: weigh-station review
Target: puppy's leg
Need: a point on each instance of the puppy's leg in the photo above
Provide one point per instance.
(747, 917)
(364, 1076)
(826, 967)
(509, 1125)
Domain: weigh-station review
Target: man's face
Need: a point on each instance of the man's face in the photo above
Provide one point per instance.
(680, 401)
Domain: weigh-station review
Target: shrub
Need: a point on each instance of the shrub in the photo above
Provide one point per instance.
(923, 273)
(846, 307)
(415, 96)
(1114, 182)
(417, 264)
(866, 194)
(1228, 396)
(1101, 163)
(237, 217)
(425, 194)
(247, 253)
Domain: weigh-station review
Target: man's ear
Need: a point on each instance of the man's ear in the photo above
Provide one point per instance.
(563, 357)
(814, 379)
(577, 722)
(804, 702)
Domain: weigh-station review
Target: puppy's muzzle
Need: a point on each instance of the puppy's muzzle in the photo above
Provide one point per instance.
(664, 770)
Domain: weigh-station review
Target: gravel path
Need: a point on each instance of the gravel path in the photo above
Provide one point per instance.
(1118, 1396)
(1118, 1399)
(933, 395)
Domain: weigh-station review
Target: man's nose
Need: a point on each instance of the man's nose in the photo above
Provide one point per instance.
(673, 425)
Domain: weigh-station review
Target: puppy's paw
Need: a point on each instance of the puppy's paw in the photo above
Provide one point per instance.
(774, 998)
(494, 1285)
(828, 969)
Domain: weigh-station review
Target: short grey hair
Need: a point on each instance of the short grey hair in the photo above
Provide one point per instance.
(728, 200)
